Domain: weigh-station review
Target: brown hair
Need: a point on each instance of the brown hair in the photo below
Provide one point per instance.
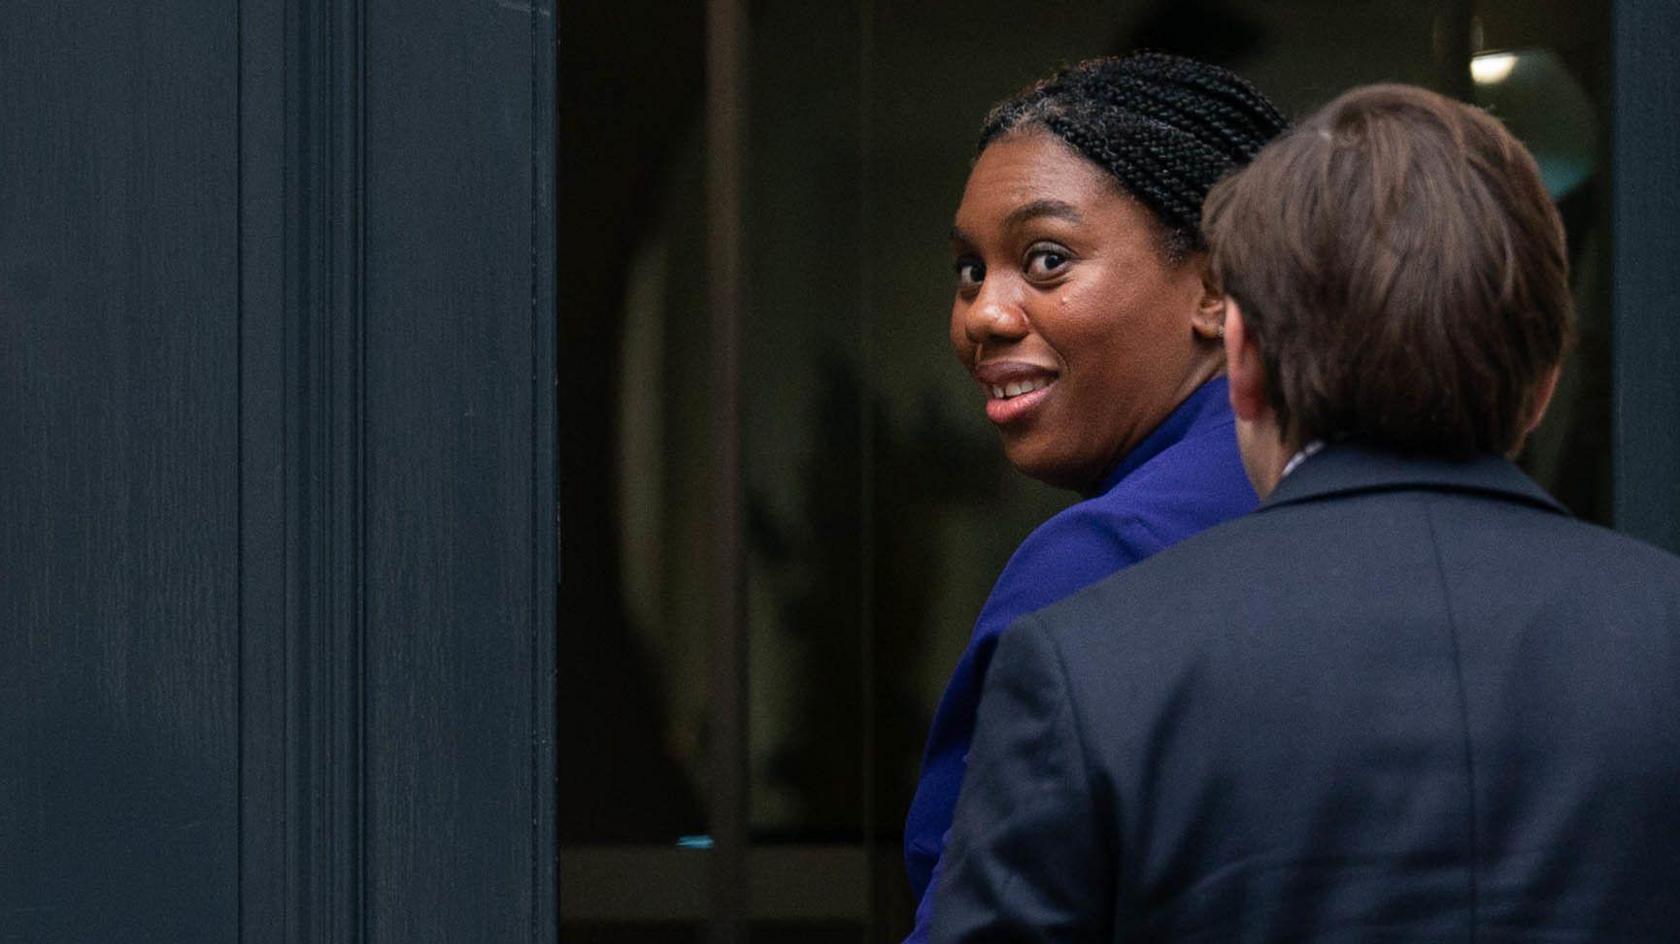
(1402, 272)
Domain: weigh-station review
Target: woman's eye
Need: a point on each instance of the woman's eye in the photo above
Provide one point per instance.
(1045, 262)
(969, 273)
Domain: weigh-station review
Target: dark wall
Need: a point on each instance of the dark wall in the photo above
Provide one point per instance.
(276, 472)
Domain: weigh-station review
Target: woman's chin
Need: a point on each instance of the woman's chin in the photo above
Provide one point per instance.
(1035, 462)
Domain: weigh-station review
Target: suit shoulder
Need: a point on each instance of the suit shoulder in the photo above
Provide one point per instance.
(1153, 595)
(1629, 563)
(1636, 551)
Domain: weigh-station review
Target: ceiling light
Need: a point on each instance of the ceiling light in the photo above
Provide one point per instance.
(1493, 67)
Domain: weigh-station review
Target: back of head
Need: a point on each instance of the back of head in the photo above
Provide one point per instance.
(1402, 272)
(1165, 127)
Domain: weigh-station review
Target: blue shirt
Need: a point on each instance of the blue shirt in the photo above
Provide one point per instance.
(1185, 476)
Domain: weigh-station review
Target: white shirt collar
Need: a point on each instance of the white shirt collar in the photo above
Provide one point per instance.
(1307, 452)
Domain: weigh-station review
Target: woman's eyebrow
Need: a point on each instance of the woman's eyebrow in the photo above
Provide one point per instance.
(1026, 211)
(1038, 208)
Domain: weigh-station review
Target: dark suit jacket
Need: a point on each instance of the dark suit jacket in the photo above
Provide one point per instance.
(1403, 701)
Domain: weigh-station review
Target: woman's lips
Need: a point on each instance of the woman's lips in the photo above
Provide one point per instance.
(1013, 389)
(1010, 409)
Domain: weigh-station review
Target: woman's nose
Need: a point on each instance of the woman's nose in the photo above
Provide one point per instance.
(994, 316)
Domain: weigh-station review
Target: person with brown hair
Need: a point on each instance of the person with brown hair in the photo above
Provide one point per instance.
(1402, 323)
(1409, 698)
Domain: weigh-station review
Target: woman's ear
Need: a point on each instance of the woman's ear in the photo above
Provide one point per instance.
(1208, 322)
(1246, 373)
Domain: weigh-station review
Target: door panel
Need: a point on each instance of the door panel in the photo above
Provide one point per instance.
(276, 472)
(119, 473)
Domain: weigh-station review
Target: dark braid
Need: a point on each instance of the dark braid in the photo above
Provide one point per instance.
(1166, 127)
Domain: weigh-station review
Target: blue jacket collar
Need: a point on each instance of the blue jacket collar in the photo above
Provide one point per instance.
(1207, 405)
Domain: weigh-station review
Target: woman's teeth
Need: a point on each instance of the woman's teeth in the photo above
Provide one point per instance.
(1017, 388)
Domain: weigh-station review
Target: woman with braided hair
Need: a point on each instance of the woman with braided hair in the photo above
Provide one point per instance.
(1085, 312)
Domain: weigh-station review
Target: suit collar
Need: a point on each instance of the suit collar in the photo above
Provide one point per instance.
(1344, 469)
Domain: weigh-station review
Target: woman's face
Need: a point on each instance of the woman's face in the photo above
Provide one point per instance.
(1082, 336)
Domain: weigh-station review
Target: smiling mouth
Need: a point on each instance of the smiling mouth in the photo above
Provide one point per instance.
(1014, 389)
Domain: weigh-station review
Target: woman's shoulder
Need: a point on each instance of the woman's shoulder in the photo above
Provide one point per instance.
(1193, 484)
(1189, 487)
(1075, 548)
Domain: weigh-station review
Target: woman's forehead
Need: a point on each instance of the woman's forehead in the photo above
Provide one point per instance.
(1026, 175)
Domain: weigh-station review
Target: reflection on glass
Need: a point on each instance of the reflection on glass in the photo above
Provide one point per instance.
(1536, 97)
(632, 371)
(1543, 69)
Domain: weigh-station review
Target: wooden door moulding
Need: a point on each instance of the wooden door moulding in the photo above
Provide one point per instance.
(545, 464)
(302, 416)
(327, 661)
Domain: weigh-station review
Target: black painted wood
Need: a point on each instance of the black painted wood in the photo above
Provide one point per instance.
(277, 566)
(544, 762)
(270, 910)
(303, 580)
(1645, 175)
(457, 386)
(119, 488)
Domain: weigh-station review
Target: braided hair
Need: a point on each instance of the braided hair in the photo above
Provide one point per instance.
(1167, 128)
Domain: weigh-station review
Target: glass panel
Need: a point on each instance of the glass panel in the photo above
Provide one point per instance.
(634, 368)
(1543, 67)
(788, 932)
(802, 448)
(633, 934)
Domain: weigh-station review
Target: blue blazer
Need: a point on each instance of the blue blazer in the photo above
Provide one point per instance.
(1407, 700)
(1184, 477)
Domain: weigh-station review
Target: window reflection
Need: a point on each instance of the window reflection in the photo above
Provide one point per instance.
(627, 674)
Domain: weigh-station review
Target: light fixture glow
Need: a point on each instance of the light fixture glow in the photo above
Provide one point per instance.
(1492, 68)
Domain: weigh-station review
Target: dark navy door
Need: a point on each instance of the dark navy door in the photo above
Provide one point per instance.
(276, 471)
